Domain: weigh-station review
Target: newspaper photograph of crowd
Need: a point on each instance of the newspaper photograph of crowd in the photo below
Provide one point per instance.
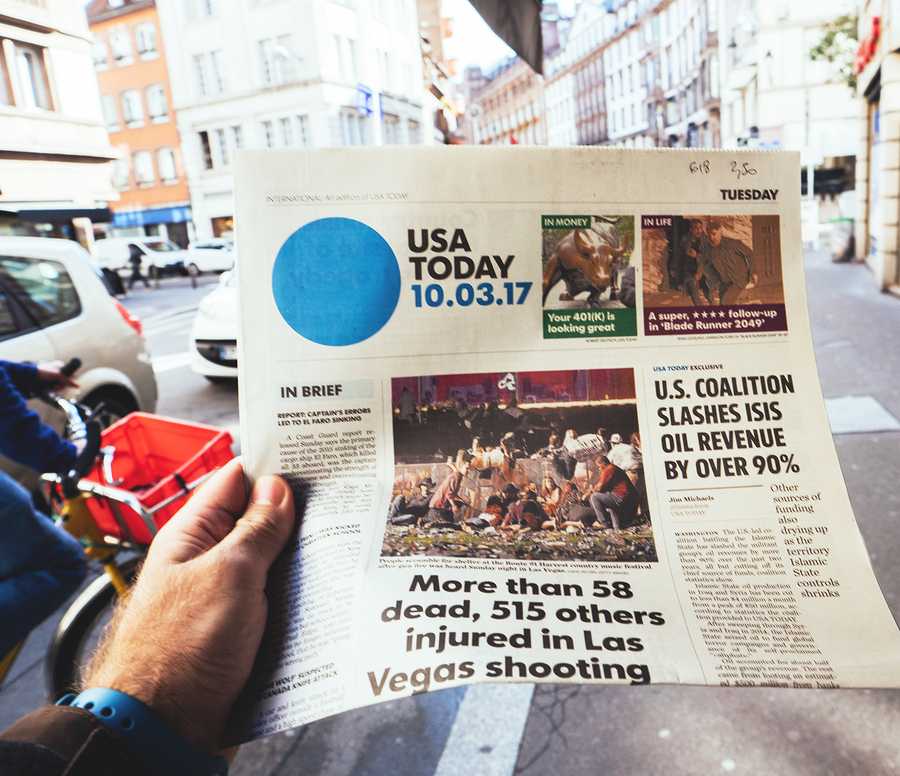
(542, 465)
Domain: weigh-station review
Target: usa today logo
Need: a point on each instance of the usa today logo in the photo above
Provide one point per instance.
(336, 281)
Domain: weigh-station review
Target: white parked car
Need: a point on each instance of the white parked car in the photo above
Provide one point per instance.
(213, 255)
(158, 255)
(54, 306)
(214, 334)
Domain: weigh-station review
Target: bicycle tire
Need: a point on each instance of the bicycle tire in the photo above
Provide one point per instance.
(61, 663)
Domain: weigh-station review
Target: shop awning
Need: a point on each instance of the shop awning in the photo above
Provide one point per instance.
(518, 25)
(54, 215)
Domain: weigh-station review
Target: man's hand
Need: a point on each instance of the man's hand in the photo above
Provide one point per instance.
(51, 376)
(185, 641)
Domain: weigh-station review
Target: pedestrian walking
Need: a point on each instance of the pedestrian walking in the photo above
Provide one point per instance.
(135, 257)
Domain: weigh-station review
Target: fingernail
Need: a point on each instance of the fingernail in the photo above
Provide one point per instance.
(268, 490)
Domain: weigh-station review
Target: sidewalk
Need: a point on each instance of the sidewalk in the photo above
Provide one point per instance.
(692, 730)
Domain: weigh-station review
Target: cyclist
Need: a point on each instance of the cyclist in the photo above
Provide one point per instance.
(180, 649)
(40, 564)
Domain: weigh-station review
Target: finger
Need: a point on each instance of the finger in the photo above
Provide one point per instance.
(266, 526)
(207, 518)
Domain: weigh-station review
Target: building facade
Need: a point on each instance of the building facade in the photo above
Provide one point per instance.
(55, 155)
(645, 73)
(509, 109)
(130, 61)
(776, 96)
(277, 74)
(878, 131)
(441, 108)
(507, 105)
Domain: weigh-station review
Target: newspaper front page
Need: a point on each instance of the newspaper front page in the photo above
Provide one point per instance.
(553, 416)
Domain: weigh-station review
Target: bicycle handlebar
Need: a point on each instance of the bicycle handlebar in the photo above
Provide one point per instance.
(71, 367)
(81, 430)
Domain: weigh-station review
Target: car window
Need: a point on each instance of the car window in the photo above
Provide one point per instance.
(8, 325)
(161, 247)
(42, 288)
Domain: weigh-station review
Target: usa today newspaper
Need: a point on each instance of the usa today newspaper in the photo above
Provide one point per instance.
(551, 416)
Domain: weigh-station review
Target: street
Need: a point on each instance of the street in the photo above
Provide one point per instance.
(574, 730)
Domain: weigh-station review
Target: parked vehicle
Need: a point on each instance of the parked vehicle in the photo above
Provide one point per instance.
(159, 256)
(213, 255)
(214, 334)
(53, 302)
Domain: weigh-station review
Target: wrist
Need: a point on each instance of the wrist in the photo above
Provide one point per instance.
(159, 747)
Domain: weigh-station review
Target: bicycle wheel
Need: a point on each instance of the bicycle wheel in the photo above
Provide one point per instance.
(80, 629)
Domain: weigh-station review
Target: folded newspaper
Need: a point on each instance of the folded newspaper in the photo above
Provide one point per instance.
(552, 416)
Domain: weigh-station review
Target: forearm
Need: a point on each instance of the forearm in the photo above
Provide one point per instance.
(25, 438)
(23, 376)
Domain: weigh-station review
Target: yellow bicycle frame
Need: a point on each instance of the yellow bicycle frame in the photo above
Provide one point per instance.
(77, 520)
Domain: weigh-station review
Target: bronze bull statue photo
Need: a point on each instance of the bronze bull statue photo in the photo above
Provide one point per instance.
(585, 261)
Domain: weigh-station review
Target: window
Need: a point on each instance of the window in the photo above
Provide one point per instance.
(132, 109)
(121, 173)
(277, 60)
(200, 78)
(143, 168)
(5, 88)
(156, 103)
(351, 59)
(209, 73)
(287, 131)
(32, 76)
(8, 325)
(110, 116)
(339, 55)
(414, 130)
(120, 43)
(43, 288)
(353, 131)
(303, 130)
(165, 161)
(145, 35)
(205, 150)
(98, 52)
(201, 8)
(268, 129)
(391, 128)
(222, 147)
(237, 136)
(217, 58)
(266, 49)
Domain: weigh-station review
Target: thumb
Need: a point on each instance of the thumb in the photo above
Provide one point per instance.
(261, 533)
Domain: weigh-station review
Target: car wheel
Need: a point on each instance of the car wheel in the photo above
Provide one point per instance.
(193, 270)
(110, 405)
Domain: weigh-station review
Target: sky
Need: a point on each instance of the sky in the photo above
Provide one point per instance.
(473, 42)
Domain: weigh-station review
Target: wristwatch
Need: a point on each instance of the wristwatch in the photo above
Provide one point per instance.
(160, 748)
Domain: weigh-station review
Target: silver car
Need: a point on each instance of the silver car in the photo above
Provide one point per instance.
(55, 306)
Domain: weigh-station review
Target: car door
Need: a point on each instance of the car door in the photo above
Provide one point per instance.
(22, 339)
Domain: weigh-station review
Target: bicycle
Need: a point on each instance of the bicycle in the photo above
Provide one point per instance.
(114, 515)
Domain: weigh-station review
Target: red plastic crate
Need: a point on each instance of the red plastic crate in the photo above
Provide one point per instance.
(152, 453)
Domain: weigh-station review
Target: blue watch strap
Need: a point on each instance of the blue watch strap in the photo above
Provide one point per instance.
(161, 749)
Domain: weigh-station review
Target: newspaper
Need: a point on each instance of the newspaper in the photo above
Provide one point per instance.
(552, 415)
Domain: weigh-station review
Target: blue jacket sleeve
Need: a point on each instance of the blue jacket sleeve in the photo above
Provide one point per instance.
(23, 436)
(23, 376)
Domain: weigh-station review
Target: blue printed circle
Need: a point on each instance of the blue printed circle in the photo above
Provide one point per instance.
(336, 281)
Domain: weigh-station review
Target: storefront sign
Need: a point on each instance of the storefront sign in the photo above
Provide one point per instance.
(868, 46)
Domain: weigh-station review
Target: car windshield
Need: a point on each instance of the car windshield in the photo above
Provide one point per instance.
(163, 246)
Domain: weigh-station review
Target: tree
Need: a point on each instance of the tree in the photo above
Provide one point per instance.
(838, 45)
